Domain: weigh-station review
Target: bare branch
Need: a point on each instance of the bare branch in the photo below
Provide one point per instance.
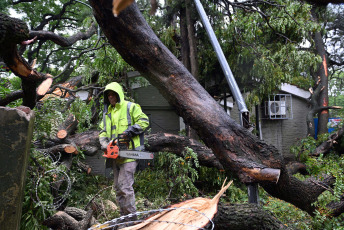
(64, 41)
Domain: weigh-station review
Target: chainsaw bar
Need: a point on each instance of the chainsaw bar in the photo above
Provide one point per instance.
(136, 154)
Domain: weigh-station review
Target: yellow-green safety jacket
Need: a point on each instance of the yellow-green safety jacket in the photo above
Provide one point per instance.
(126, 117)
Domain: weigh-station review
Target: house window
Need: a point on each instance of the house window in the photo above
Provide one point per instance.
(278, 106)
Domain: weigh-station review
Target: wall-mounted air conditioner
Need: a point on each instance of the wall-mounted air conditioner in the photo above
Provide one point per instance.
(277, 108)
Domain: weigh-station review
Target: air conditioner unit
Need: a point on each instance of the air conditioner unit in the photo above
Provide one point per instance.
(277, 108)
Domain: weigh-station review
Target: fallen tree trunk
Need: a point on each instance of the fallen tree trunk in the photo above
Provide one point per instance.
(159, 142)
(87, 141)
(165, 142)
(238, 150)
(245, 216)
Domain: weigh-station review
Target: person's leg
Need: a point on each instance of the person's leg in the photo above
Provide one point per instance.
(123, 181)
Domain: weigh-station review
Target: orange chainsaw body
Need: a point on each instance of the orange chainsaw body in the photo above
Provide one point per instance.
(112, 150)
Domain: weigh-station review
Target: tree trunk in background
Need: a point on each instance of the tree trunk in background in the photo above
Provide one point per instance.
(192, 40)
(237, 149)
(184, 41)
(190, 55)
(322, 72)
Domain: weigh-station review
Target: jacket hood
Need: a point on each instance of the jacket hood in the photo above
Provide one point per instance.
(117, 88)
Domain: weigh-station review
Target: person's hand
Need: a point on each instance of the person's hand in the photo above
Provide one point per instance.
(126, 135)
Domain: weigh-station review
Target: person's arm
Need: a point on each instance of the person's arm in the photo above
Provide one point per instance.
(103, 139)
(140, 122)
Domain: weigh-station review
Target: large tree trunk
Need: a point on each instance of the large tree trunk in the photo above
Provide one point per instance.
(236, 148)
(321, 73)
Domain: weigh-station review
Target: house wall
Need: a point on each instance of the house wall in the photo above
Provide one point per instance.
(281, 133)
(161, 115)
(285, 133)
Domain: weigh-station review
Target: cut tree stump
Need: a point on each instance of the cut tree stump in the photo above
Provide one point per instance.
(67, 127)
(67, 148)
(43, 88)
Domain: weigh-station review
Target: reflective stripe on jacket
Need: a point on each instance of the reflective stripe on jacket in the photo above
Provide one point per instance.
(125, 116)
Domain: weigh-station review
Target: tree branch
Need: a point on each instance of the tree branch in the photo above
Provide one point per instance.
(64, 41)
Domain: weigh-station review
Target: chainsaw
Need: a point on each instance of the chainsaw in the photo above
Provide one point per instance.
(119, 147)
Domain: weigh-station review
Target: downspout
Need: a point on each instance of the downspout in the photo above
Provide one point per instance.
(243, 112)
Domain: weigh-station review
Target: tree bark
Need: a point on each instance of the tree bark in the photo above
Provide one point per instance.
(67, 148)
(236, 148)
(61, 220)
(184, 41)
(87, 141)
(13, 96)
(245, 216)
(14, 31)
(192, 40)
(315, 109)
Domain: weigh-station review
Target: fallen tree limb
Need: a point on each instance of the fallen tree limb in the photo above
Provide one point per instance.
(13, 96)
(165, 142)
(84, 167)
(67, 148)
(61, 220)
(62, 40)
(71, 218)
(326, 146)
(67, 127)
(14, 31)
(87, 141)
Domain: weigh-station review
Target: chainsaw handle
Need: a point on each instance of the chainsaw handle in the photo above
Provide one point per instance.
(126, 139)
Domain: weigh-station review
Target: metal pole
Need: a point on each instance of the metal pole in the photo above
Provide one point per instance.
(221, 57)
(244, 114)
